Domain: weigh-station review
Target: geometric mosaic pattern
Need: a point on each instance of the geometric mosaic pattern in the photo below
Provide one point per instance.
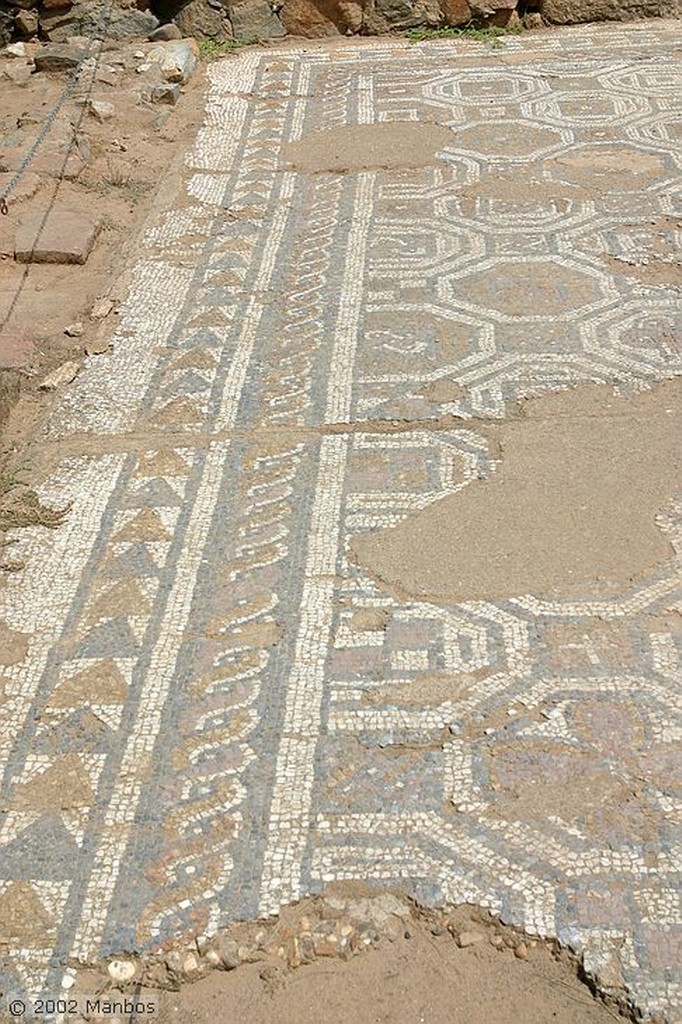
(209, 710)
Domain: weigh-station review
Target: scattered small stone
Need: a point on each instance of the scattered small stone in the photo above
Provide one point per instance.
(190, 965)
(333, 906)
(387, 904)
(521, 951)
(26, 22)
(174, 962)
(497, 941)
(306, 948)
(15, 49)
(107, 76)
(167, 92)
(533, 20)
(74, 330)
(227, 952)
(325, 945)
(470, 938)
(101, 309)
(63, 374)
(294, 955)
(121, 971)
(248, 954)
(101, 110)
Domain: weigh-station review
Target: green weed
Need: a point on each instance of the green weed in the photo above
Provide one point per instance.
(212, 49)
(20, 505)
(482, 34)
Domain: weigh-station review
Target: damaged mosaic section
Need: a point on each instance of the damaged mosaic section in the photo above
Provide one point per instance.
(215, 710)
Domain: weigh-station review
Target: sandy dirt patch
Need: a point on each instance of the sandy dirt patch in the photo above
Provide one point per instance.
(368, 146)
(582, 478)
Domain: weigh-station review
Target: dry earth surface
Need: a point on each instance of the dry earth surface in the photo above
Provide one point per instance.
(354, 550)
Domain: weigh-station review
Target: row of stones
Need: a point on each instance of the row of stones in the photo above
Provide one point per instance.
(220, 20)
(341, 924)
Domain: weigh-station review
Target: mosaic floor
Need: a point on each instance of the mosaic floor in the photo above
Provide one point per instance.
(207, 710)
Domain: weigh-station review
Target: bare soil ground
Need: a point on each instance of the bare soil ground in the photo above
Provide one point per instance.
(417, 979)
(458, 965)
(51, 315)
(126, 165)
(582, 479)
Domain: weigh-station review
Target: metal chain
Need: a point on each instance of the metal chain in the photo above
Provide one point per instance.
(98, 36)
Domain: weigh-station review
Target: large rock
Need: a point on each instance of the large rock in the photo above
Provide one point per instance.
(255, 19)
(569, 12)
(123, 23)
(58, 57)
(26, 23)
(318, 18)
(455, 12)
(382, 15)
(314, 18)
(61, 236)
(177, 61)
(6, 28)
(165, 33)
(484, 8)
(203, 19)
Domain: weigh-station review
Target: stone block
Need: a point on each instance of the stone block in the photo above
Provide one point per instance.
(569, 12)
(455, 12)
(26, 23)
(58, 57)
(166, 92)
(203, 19)
(312, 19)
(177, 60)
(255, 19)
(123, 23)
(485, 8)
(165, 33)
(63, 236)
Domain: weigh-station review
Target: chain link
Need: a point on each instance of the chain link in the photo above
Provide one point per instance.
(98, 35)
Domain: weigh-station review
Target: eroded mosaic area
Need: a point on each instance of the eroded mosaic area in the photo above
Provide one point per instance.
(209, 709)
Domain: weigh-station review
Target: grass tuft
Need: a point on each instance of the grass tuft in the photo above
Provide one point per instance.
(482, 34)
(20, 505)
(212, 49)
